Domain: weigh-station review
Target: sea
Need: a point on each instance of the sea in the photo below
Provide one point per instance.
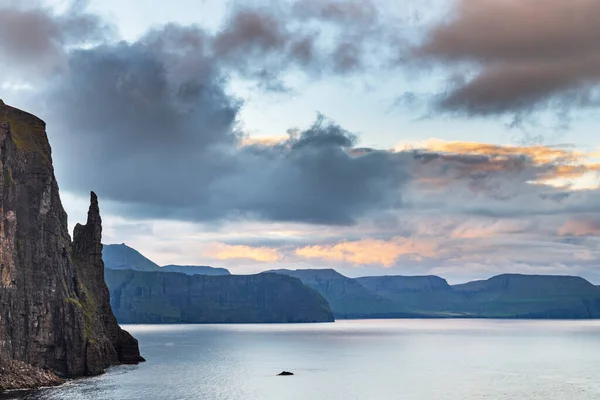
(444, 359)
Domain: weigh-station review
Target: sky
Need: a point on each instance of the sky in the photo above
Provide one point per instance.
(374, 137)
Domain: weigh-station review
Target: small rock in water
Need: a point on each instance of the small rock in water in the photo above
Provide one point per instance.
(285, 373)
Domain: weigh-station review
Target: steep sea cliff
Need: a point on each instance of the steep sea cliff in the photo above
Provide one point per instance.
(55, 314)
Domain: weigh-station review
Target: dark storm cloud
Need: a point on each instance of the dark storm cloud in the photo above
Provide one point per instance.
(260, 44)
(323, 37)
(312, 176)
(258, 40)
(150, 112)
(524, 55)
(150, 126)
(35, 38)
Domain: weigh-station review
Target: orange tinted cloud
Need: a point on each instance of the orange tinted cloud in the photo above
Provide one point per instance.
(552, 162)
(263, 141)
(539, 154)
(580, 227)
(479, 230)
(222, 251)
(370, 251)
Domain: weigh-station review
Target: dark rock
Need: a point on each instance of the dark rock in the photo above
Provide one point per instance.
(54, 309)
(285, 373)
(18, 375)
(87, 254)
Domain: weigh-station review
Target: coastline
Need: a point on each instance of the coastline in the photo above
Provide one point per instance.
(17, 375)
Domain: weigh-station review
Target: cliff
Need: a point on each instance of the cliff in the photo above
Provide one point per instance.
(164, 297)
(347, 297)
(531, 296)
(503, 296)
(87, 256)
(54, 314)
(428, 294)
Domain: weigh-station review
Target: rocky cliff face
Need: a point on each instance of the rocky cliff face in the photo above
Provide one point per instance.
(405, 284)
(431, 295)
(87, 257)
(168, 297)
(532, 296)
(54, 307)
(348, 299)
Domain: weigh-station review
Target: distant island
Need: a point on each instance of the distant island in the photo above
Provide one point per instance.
(143, 292)
(121, 256)
(504, 296)
(163, 296)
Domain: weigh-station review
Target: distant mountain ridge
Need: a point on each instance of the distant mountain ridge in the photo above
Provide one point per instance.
(195, 270)
(143, 292)
(532, 296)
(502, 296)
(347, 297)
(121, 256)
(431, 294)
(168, 297)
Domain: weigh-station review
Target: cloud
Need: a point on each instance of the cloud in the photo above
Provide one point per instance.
(361, 13)
(154, 128)
(156, 131)
(263, 141)
(258, 40)
(249, 34)
(318, 38)
(369, 251)
(222, 251)
(550, 56)
(477, 229)
(578, 227)
(547, 162)
(159, 109)
(35, 40)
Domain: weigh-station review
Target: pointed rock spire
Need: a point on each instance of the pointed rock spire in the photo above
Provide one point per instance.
(94, 219)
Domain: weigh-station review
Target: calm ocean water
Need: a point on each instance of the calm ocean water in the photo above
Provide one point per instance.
(391, 359)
